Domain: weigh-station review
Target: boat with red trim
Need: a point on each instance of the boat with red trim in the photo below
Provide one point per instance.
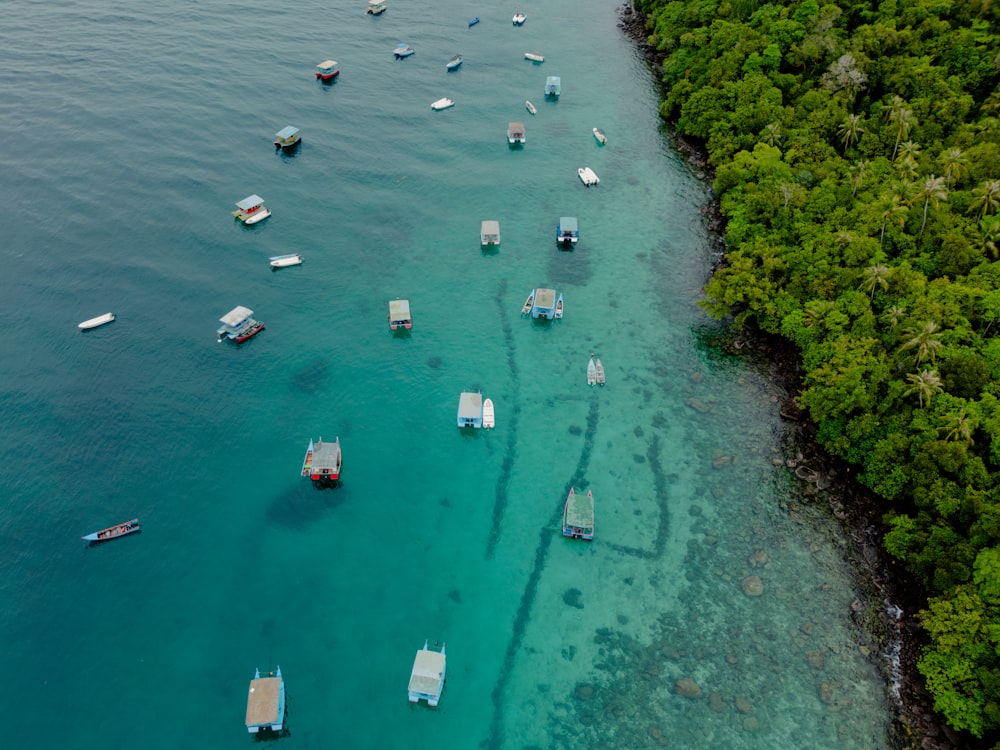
(113, 532)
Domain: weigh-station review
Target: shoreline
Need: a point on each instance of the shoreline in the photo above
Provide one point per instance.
(889, 606)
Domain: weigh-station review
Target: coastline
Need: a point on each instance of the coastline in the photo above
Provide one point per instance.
(889, 605)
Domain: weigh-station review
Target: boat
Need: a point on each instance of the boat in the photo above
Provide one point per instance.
(530, 107)
(599, 135)
(251, 209)
(287, 138)
(443, 103)
(559, 308)
(489, 233)
(323, 461)
(403, 50)
(327, 70)
(567, 231)
(470, 409)
(534, 57)
(591, 371)
(100, 320)
(600, 371)
(515, 133)
(473, 22)
(553, 86)
(375, 7)
(427, 676)
(588, 176)
(283, 261)
(113, 532)
(454, 62)
(546, 304)
(399, 314)
(578, 516)
(239, 325)
(519, 18)
(489, 418)
(528, 304)
(266, 703)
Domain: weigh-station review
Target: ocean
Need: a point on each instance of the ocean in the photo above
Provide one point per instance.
(131, 131)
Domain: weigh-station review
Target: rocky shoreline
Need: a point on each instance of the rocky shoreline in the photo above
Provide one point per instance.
(889, 606)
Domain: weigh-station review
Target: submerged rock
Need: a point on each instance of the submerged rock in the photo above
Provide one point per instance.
(687, 687)
(753, 586)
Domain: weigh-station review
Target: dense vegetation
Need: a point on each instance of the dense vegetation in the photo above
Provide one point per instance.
(856, 153)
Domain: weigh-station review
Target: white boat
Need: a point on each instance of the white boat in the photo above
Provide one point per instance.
(403, 50)
(427, 676)
(375, 7)
(528, 303)
(442, 103)
(515, 133)
(559, 308)
(591, 371)
(530, 107)
(599, 135)
(534, 57)
(283, 261)
(519, 18)
(587, 176)
(600, 371)
(251, 209)
(489, 419)
(553, 86)
(100, 320)
(454, 63)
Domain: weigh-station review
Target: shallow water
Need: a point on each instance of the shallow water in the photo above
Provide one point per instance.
(131, 132)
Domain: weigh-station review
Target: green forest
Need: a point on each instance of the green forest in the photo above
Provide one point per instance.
(855, 150)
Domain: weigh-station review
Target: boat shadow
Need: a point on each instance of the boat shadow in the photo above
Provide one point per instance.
(402, 333)
(299, 507)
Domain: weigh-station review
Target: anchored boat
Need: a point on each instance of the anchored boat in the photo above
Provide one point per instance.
(427, 676)
(454, 62)
(470, 409)
(113, 532)
(528, 304)
(239, 325)
(599, 135)
(287, 138)
(578, 516)
(375, 7)
(251, 209)
(534, 57)
(515, 134)
(559, 308)
(591, 371)
(588, 176)
(100, 320)
(322, 461)
(283, 261)
(519, 18)
(599, 367)
(266, 703)
(543, 303)
(327, 70)
(403, 50)
(530, 107)
(489, 417)
(443, 103)
(489, 233)
(567, 231)
(399, 314)
(553, 86)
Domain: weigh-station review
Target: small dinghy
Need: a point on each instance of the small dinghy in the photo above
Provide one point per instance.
(600, 371)
(403, 50)
(454, 62)
(559, 308)
(443, 103)
(588, 176)
(100, 320)
(473, 22)
(528, 303)
(534, 57)
(591, 371)
(283, 261)
(599, 135)
(530, 107)
(489, 419)
(519, 19)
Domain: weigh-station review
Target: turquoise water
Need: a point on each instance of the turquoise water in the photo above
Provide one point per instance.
(131, 131)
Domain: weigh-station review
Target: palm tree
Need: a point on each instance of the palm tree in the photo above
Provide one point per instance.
(850, 130)
(909, 152)
(816, 311)
(990, 227)
(772, 134)
(933, 192)
(902, 120)
(857, 173)
(953, 162)
(959, 427)
(891, 208)
(876, 275)
(790, 191)
(894, 315)
(926, 340)
(925, 384)
(987, 197)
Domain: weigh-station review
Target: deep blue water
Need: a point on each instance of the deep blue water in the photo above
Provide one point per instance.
(131, 130)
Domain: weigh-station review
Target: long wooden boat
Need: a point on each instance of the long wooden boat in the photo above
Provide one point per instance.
(534, 57)
(528, 303)
(530, 107)
(600, 371)
(100, 320)
(591, 371)
(113, 532)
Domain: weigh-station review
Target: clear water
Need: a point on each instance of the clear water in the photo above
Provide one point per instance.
(130, 132)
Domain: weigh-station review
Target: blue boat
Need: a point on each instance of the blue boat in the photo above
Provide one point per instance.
(266, 703)
(567, 232)
(473, 22)
(403, 50)
(553, 86)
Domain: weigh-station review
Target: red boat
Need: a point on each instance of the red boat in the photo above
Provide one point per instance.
(113, 532)
(249, 333)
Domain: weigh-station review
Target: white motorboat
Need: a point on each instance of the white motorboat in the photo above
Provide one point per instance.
(283, 261)
(600, 371)
(519, 18)
(100, 320)
(489, 418)
(599, 135)
(591, 371)
(587, 176)
(530, 107)
(534, 57)
(443, 103)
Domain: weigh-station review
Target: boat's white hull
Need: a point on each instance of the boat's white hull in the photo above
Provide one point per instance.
(100, 320)
(283, 261)
(587, 176)
(530, 107)
(257, 217)
(489, 419)
(444, 103)
(534, 57)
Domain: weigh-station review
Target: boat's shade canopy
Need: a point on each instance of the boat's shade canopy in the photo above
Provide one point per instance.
(399, 309)
(236, 316)
(250, 202)
(375, 3)
(470, 406)
(516, 127)
(553, 80)
(326, 455)
(490, 228)
(545, 298)
(580, 511)
(428, 667)
(327, 65)
(567, 224)
(287, 133)
(263, 702)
